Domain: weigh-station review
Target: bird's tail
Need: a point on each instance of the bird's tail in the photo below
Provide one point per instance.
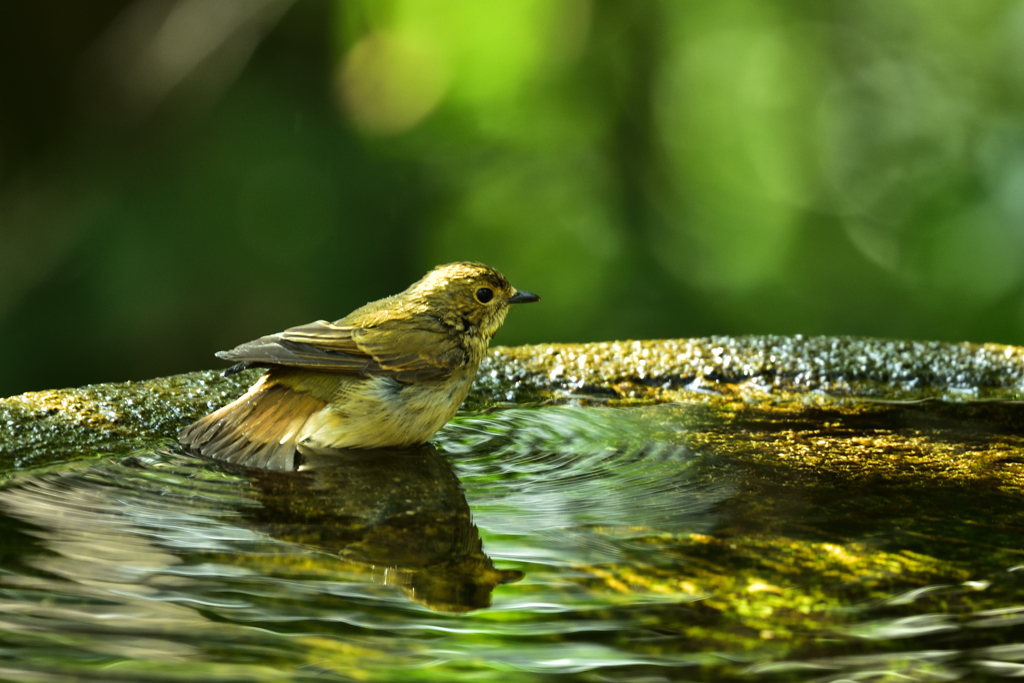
(259, 429)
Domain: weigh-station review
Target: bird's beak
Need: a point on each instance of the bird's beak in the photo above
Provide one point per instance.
(521, 297)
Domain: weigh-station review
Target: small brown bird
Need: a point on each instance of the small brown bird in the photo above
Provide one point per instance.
(389, 374)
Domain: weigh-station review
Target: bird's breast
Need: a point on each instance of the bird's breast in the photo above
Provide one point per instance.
(383, 412)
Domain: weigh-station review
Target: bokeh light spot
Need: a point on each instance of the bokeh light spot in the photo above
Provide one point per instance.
(390, 81)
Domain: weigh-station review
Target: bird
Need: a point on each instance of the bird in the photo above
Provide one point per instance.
(387, 375)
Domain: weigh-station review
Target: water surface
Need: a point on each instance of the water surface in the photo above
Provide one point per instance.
(817, 541)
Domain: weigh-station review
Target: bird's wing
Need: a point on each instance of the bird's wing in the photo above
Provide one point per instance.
(411, 351)
(395, 348)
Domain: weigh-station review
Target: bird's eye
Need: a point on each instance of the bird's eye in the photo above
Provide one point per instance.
(483, 295)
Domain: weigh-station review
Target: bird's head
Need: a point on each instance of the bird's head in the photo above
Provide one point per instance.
(470, 295)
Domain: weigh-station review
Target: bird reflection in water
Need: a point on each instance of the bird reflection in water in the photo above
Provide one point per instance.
(401, 512)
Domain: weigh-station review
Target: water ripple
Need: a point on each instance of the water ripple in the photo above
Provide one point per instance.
(583, 482)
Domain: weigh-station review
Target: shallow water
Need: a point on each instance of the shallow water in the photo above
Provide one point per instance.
(826, 541)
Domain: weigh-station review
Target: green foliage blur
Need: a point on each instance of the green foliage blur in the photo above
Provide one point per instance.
(180, 176)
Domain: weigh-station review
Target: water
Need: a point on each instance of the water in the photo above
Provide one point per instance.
(805, 541)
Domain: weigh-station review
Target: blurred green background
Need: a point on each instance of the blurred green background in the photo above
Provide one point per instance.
(179, 176)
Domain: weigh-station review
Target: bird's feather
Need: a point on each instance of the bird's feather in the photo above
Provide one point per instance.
(260, 429)
(409, 350)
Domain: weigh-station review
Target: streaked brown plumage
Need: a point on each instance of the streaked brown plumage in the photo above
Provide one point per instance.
(389, 374)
